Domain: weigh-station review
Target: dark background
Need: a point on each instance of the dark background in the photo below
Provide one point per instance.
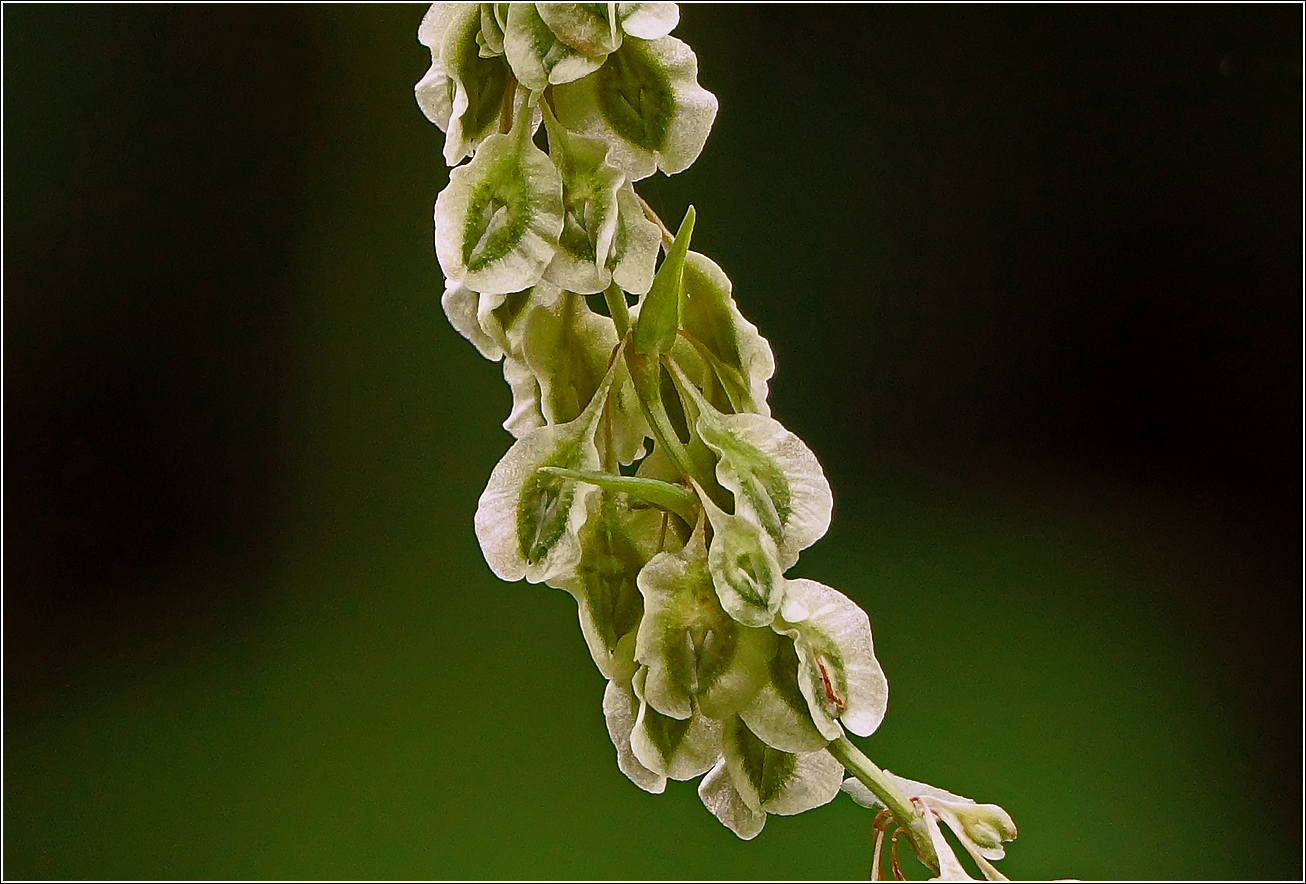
(1033, 281)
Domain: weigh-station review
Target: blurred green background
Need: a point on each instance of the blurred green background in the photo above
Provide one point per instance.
(1032, 278)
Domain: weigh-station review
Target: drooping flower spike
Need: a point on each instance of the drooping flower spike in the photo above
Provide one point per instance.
(647, 479)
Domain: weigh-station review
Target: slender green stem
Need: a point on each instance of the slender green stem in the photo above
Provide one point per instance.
(505, 112)
(618, 308)
(667, 237)
(865, 770)
(660, 494)
(646, 373)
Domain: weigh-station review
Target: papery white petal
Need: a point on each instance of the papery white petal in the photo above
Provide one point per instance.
(538, 58)
(774, 781)
(697, 656)
(680, 749)
(461, 305)
(590, 186)
(722, 798)
(775, 479)
(648, 20)
(585, 27)
(463, 91)
(744, 565)
(497, 223)
(838, 672)
(608, 599)
(527, 522)
(646, 102)
(778, 712)
(710, 316)
(619, 710)
(633, 251)
(985, 825)
(525, 414)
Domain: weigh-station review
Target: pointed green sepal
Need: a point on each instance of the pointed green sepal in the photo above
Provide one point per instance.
(659, 312)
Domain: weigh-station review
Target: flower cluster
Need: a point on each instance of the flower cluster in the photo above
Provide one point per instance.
(648, 479)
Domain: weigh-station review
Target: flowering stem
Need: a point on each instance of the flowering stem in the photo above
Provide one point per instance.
(647, 376)
(865, 770)
(618, 308)
(667, 237)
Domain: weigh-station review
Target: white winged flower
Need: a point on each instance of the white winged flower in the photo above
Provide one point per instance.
(776, 480)
(527, 521)
(498, 221)
(463, 91)
(753, 779)
(837, 670)
(646, 102)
